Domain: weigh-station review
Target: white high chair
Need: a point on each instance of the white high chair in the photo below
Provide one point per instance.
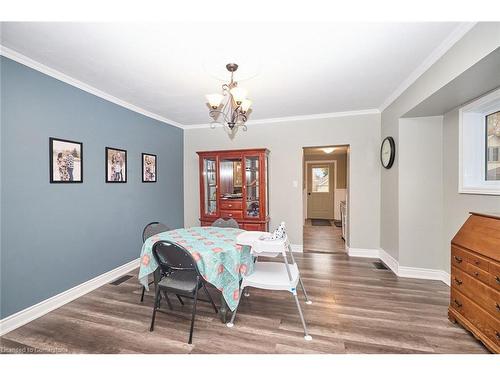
(272, 275)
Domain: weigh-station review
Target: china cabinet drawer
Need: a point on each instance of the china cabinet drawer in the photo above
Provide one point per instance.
(231, 214)
(231, 205)
(252, 226)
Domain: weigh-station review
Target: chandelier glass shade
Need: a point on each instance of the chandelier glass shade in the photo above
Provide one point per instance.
(231, 108)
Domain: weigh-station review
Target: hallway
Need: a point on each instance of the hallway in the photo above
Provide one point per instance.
(323, 239)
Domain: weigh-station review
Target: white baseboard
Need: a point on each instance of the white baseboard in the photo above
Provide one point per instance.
(297, 248)
(424, 273)
(25, 316)
(364, 253)
(389, 261)
(401, 271)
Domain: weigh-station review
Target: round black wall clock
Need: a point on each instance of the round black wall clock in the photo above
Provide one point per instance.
(387, 152)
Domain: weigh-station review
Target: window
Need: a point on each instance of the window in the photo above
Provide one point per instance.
(320, 179)
(493, 146)
(479, 146)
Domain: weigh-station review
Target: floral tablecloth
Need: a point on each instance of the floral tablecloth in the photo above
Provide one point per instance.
(220, 260)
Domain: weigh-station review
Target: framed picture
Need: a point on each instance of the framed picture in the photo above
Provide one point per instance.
(116, 165)
(149, 168)
(66, 161)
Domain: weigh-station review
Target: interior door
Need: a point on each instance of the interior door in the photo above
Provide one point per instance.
(320, 191)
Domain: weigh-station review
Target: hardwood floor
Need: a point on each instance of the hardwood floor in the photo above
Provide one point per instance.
(356, 308)
(323, 239)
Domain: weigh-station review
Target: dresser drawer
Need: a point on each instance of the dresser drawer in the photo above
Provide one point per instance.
(231, 205)
(477, 273)
(486, 297)
(478, 261)
(476, 315)
(231, 214)
(458, 279)
(494, 280)
(458, 257)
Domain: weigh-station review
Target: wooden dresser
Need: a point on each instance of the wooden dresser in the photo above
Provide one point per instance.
(475, 278)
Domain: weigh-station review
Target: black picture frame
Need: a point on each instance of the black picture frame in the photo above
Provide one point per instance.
(52, 178)
(143, 157)
(392, 145)
(123, 170)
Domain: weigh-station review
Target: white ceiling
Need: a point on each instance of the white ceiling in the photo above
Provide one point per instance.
(289, 69)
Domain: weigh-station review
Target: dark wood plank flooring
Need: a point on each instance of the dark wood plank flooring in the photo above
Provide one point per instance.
(356, 308)
(323, 239)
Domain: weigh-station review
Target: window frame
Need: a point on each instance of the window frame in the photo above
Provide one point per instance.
(328, 179)
(473, 151)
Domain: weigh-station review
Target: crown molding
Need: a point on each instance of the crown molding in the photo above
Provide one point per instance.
(457, 34)
(274, 120)
(22, 59)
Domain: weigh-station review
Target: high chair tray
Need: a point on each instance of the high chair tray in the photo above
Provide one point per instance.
(260, 242)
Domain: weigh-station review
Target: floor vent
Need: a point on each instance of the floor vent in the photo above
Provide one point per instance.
(121, 280)
(380, 266)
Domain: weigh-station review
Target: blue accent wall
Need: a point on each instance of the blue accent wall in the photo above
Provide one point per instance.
(56, 236)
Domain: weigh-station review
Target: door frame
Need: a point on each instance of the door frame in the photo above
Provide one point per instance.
(334, 162)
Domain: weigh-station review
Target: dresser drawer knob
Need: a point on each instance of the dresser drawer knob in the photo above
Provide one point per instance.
(497, 306)
(458, 259)
(497, 334)
(497, 278)
(476, 261)
(476, 274)
(458, 304)
(458, 281)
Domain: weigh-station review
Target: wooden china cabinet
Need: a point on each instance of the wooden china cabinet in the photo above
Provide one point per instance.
(234, 184)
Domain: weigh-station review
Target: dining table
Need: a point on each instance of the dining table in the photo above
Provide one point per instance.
(221, 261)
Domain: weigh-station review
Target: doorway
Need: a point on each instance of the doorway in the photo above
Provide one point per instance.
(325, 196)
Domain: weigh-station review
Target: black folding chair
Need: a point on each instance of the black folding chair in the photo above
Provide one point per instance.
(150, 230)
(180, 276)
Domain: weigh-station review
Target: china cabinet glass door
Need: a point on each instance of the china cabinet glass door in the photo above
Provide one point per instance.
(252, 187)
(266, 179)
(210, 185)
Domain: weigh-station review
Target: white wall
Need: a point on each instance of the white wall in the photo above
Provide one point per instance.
(421, 192)
(285, 141)
(475, 45)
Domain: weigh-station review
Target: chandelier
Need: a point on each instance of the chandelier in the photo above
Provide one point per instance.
(231, 108)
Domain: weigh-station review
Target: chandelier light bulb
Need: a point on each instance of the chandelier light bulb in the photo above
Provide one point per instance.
(246, 104)
(239, 94)
(214, 100)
